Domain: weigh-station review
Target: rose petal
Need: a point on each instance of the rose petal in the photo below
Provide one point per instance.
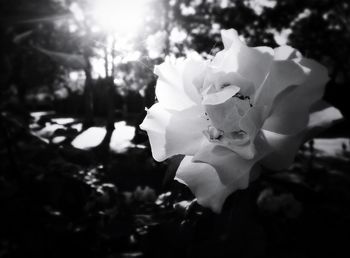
(252, 63)
(216, 81)
(225, 116)
(230, 166)
(174, 88)
(290, 110)
(234, 125)
(284, 148)
(205, 183)
(174, 132)
(253, 120)
(240, 144)
(283, 74)
(323, 115)
(230, 37)
(220, 96)
(286, 53)
(195, 68)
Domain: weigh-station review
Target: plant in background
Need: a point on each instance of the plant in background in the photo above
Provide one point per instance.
(245, 109)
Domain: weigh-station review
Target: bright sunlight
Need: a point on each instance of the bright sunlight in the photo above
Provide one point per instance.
(119, 16)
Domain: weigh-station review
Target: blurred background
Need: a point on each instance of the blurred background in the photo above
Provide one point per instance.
(77, 176)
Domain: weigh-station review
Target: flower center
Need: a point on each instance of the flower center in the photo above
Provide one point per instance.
(214, 134)
(240, 136)
(242, 97)
(225, 120)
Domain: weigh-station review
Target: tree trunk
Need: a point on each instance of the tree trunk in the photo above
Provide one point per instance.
(88, 97)
(110, 104)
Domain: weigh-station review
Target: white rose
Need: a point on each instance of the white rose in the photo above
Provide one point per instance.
(247, 107)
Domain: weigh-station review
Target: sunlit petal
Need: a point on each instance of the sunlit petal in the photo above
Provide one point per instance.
(205, 183)
(230, 38)
(283, 74)
(175, 89)
(284, 148)
(286, 53)
(252, 63)
(290, 113)
(174, 132)
(253, 120)
(229, 165)
(220, 96)
(323, 115)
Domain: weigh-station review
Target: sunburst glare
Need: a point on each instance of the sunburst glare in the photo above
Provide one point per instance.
(119, 16)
